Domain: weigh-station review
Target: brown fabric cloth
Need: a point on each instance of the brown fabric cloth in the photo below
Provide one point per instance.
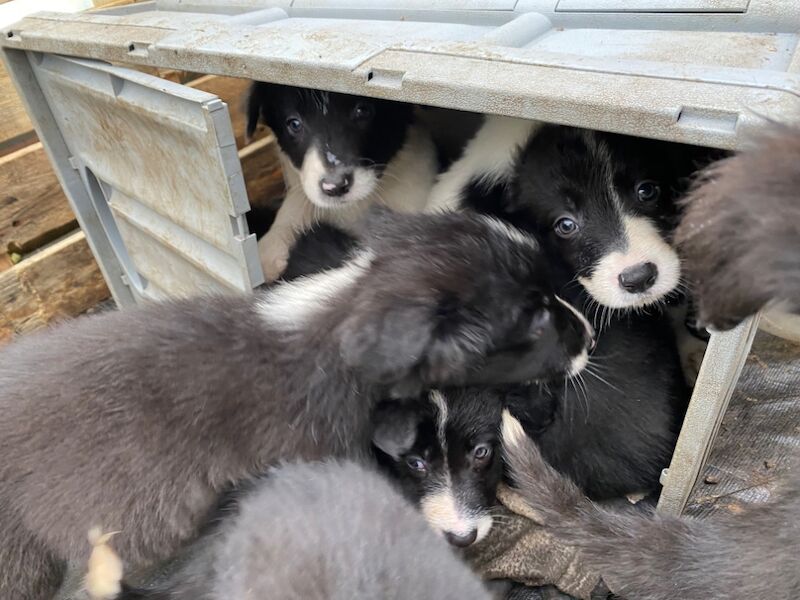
(520, 549)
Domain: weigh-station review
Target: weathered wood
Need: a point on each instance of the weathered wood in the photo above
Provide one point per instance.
(16, 128)
(33, 209)
(60, 281)
(262, 172)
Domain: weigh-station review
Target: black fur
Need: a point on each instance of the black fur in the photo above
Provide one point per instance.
(613, 431)
(324, 247)
(136, 420)
(651, 557)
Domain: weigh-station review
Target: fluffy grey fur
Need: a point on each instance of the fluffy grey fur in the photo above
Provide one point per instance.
(742, 224)
(323, 531)
(136, 420)
(646, 556)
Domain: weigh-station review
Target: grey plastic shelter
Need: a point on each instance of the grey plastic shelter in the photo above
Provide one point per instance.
(150, 167)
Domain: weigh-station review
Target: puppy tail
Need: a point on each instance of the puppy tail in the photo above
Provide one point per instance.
(741, 230)
(103, 579)
(648, 556)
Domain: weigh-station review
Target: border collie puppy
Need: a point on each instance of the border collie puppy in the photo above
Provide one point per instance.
(137, 420)
(741, 230)
(340, 155)
(603, 204)
(442, 449)
(322, 531)
(613, 430)
(755, 554)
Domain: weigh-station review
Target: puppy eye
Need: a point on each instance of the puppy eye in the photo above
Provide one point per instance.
(482, 452)
(416, 464)
(565, 227)
(363, 111)
(648, 191)
(294, 125)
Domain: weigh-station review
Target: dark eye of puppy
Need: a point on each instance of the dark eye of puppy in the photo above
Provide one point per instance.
(648, 191)
(565, 227)
(481, 455)
(294, 125)
(363, 111)
(538, 322)
(418, 466)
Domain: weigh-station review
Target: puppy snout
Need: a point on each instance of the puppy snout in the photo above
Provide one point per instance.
(638, 278)
(337, 183)
(461, 541)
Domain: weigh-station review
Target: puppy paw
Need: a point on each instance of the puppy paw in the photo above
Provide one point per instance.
(103, 579)
(274, 257)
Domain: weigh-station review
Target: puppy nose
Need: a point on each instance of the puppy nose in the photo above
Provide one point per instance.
(336, 184)
(639, 277)
(462, 541)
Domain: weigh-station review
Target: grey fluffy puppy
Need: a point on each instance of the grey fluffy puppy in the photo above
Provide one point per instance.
(322, 531)
(740, 234)
(137, 420)
(755, 554)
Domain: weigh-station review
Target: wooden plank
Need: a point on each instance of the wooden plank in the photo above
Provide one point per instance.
(16, 128)
(33, 209)
(262, 173)
(60, 281)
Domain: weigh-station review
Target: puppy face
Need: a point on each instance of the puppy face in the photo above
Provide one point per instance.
(458, 299)
(339, 144)
(605, 204)
(442, 450)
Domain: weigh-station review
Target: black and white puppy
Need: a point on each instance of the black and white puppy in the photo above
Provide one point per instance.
(319, 531)
(340, 155)
(137, 420)
(442, 450)
(613, 430)
(755, 554)
(604, 204)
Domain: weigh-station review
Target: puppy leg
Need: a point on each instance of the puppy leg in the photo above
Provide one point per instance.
(293, 218)
(28, 571)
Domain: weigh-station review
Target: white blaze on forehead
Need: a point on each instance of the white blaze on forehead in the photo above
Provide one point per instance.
(439, 401)
(441, 508)
(290, 306)
(643, 243)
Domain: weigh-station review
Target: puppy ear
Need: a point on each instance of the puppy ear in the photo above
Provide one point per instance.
(409, 348)
(386, 348)
(256, 99)
(395, 428)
